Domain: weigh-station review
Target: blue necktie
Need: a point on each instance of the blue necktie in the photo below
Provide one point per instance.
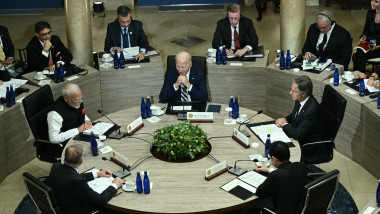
(125, 39)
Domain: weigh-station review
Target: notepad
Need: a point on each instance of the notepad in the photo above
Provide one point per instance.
(99, 129)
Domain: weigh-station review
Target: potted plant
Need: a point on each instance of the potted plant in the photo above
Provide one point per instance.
(180, 143)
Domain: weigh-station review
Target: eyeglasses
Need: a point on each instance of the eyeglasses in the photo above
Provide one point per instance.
(322, 28)
(77, 99)
(45, 34)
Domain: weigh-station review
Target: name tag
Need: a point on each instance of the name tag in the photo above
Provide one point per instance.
(241, 137)
(200, 116)
(134, 125)
(216, 168)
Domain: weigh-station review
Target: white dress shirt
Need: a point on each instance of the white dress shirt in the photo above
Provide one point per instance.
(320, 38)
(233, 38)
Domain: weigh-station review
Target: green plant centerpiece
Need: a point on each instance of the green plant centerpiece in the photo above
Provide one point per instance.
(181, 142)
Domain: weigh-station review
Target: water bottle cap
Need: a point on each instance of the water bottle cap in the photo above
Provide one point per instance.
(148, 97)
(231, 96)
(268, 135)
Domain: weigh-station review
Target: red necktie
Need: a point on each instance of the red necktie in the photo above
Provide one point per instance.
(50, 63)
(236, 39)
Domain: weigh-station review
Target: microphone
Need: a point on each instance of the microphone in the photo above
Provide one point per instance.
(237, 170)
(245, 131)
(115, 134)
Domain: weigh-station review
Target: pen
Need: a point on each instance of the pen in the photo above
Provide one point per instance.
(117, 194)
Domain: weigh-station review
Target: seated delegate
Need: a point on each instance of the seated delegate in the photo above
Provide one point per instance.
(125, 32)
(329, 40)
(236, 32)
(373, 80)
(185, 83)
(7, 51)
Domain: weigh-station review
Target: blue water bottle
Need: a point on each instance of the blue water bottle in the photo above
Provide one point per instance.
(61, 74)
(146, 183)
(236, 108)
(143, 108)
(231, 105)
(224, 56)
(336, 77)
(115, 61)
(94, 145)
(148, 110)
(56, 74)
(122, 60)
(378, 101)
(288, 60)
(282, 60)
(218, 56)
(13, 96)
(378, 195)
(361, 87)
(8, 98)
(139, 187)
(267, 146)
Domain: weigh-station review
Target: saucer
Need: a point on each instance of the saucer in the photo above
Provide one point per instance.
(160, 112)
(130, 189)
(352, 77)
(46, 72)
(110, 59)
(238, 121)
(36, 78)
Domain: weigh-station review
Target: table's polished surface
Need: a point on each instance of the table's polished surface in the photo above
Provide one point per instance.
(178, 187)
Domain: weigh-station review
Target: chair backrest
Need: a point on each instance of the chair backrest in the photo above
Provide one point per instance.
(198, 61)
(23, 59)
(41, 194)
(333, 106)
(319, 193)
(36, 107)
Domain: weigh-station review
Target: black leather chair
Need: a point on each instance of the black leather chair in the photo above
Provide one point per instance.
(36, 107)
(333, 106)
(41, 194)
(23, 59)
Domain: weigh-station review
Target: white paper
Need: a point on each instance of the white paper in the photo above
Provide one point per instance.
(134, 66)
(276, 133)
(236, 182)
(315, 65)
(72, 78)
(105, 149)
(236, 64)
(350, 91)
(44, 82)
(370, 88)
(16, 83)
(253, 178)
(99, 128)
(153, 119)
(130, 52)
(20, 100)
(101, 183)
(369, 210)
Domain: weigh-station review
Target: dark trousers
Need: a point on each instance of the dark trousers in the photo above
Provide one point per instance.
(359, 58)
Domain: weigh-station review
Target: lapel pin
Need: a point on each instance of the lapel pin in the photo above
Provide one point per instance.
(130, 32)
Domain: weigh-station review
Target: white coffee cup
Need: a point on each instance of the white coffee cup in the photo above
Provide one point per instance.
(255, 146)
(264, 161)
(155, 109)
(106, 56)
(129, 184)
(243, 118)
(40, 75)
(102, 138)
(347, 74)
(211, 52)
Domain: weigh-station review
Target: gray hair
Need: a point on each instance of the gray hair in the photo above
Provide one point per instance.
(74, 155)
(182, 55)
(325, 16)
(304, 84)
(69, 89)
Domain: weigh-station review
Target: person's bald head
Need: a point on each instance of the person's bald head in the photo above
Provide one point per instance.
(74, 156)
(183, 63)
(72, 95)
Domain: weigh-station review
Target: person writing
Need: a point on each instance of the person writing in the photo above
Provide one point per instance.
(70, 188)
(371, 34)
(327, 39)
(45, 49)
(284, 185)
(236, 32)
(373, 80)
(125, 32)
(185, 83)
(67, 117)
(7, 51)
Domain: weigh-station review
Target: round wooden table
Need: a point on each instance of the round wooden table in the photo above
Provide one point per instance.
(178, 187)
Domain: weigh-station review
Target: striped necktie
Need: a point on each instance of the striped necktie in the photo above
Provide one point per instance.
(184, 93)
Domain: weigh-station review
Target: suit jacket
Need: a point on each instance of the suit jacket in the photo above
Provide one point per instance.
(72, 192)
(136, 35)
(285, 186)
(8, 47)
(371, 30)
(197, 78)
(247, 33)
(307, 127)
(37, 61)
(338, 48)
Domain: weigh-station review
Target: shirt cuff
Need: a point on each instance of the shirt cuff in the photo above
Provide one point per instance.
(189, 89)
(249, 47)
(143, 50)
(114, 185)
(45, 54)
(175, 89)
(95, 174)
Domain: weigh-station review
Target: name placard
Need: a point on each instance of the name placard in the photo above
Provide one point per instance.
(181, 108)
(135, 126)
(216, 170)
(240, 138)
(200, 117)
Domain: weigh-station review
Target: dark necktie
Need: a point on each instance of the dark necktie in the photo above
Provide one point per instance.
(125, 39)
(236, 39)
(322, 44)
(184, 93)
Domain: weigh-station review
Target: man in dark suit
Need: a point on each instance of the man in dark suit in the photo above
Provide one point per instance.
(185, 83)
(70, 188)
(284, 185)
(124, 33)
(304, 123)
(236, 32)
(45, 49)
(328, 40)
(7, 51)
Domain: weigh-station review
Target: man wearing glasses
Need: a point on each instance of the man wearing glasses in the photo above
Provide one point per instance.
(67, 118)
(45, 49)
(185, 83)
(125, 32)
(328, 40)
(236, 32)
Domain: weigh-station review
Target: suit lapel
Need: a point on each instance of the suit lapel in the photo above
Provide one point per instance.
(304, 108)
(228, 33)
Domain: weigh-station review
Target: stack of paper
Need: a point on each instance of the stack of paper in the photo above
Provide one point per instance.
(99, 129)
(276, 134)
